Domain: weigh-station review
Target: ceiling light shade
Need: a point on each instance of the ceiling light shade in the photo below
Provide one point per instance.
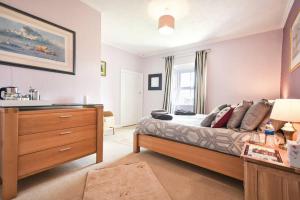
(166, 24)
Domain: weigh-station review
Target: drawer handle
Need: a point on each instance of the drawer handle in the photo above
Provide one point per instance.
(65, 116)
(65, 149)
(65, 133)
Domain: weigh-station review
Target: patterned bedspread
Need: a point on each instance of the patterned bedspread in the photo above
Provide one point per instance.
(187, 129)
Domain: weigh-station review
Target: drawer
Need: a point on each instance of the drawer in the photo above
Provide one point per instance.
(40, 141)
(42, 160)
(36, 122)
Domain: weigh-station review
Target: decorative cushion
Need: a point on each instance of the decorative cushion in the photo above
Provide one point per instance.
(276, 123)
(238, 114)
(221, 107)
(255, 115)
(206, 122)
(222, 117)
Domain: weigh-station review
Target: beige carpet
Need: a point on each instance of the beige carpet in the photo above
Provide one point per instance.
(181, 180)
(122, 135)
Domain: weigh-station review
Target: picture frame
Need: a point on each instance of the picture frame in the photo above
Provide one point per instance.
(103, 68)
(28, 41)
(155, 82)
(295, 44)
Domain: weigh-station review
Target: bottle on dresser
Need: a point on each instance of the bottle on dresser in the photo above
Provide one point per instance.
(34, 94)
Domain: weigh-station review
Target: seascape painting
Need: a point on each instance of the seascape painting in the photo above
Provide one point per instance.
(25, 40)
(295, 44)
(31, 42)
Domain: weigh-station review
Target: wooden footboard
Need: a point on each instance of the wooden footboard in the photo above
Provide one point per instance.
(219, 162)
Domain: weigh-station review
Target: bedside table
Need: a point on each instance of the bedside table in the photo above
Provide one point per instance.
(264, 180)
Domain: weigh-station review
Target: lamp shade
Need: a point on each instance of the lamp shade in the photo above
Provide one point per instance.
(286, 110)
(166, 24)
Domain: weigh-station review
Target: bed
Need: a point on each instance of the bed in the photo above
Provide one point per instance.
(217, 149)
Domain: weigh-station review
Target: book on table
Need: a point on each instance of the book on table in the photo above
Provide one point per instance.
(262, 153)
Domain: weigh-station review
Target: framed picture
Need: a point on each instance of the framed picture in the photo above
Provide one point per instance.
(154, 81)
(295, 44)
(103, 68)
(31, 42)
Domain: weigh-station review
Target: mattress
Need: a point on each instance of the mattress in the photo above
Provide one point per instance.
(187, 129)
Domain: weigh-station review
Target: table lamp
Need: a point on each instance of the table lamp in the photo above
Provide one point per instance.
(287, 110)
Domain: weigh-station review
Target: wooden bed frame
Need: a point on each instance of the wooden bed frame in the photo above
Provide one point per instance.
(219, 162)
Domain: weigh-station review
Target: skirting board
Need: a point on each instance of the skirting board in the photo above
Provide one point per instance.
(215, 161)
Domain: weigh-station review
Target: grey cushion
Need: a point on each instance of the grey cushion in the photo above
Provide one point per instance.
(255, 115)
(276, 123)
(221, 107)
(238, 114)
(212, 115)
(209, 119)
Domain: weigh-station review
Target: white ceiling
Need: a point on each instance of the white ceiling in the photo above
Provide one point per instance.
(132, 24)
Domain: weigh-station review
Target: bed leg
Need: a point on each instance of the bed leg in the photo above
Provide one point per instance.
(136, 148)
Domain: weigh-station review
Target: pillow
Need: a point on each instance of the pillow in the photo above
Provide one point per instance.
(255, 115)
(206, 122)
(276, 123)
(221, 107)
(222, 117)
(238, 114)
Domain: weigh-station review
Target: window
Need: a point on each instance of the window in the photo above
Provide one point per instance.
(184, 86)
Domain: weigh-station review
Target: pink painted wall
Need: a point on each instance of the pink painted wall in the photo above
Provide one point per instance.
(153, 99)
(86, 22)
(290, 81)
(116, 60)
(243, 68)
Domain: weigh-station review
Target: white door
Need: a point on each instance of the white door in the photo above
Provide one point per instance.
(131, 97)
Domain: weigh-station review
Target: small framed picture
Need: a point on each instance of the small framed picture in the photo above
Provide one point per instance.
(154, 81)
(295, 44)
(103, 68)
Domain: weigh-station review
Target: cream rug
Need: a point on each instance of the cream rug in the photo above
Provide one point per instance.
(133, 181)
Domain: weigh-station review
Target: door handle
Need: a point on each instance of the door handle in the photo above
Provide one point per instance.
(65, 116)
(65, 149)
(65, 133)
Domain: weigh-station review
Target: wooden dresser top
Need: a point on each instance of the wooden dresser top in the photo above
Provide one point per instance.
(54, 106)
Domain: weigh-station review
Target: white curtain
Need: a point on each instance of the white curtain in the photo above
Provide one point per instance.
(167, 104)
(200, 81)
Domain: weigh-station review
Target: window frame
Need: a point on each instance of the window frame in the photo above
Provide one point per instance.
(178, 87)
(179, 79)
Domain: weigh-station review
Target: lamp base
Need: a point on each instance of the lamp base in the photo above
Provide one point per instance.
(288, 130)
(288, 127)
(288, 135)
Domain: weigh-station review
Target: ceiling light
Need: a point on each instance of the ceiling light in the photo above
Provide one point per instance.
(166, 24)
(177, 8)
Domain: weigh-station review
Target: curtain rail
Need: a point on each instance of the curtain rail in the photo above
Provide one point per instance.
(187, 54)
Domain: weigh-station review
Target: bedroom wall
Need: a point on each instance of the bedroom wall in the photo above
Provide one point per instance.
(290, 81)
(243, 68)
(116, 60)
(62, 88)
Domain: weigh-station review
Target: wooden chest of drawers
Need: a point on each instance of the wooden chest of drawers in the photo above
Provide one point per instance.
(34, 140)
(264, 180)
